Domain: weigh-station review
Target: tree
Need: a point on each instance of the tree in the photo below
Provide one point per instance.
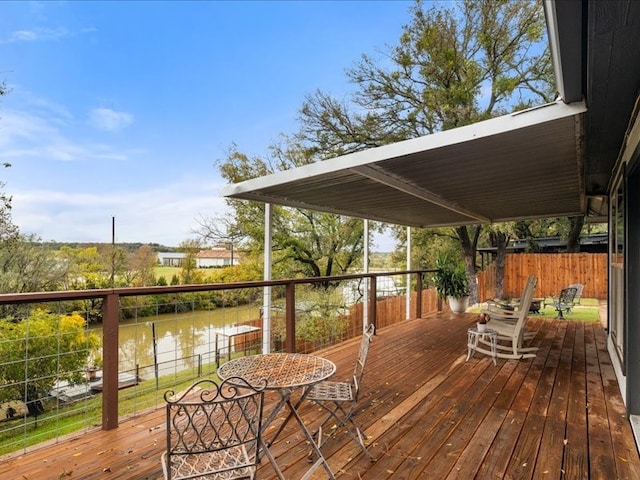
(305, 242)
(84, 266)
(499, 239)
(435, 243)
(220, 230)
(569, 228)
(25, 264)
(452, 67)
(115, 262)
(100, 266)
(28, 266)
(573, 238)
(322, 244)
(40, 349)
(142, 265)
(189, 272)
(8, 231)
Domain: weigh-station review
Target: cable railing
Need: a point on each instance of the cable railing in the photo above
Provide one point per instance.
(76, 360)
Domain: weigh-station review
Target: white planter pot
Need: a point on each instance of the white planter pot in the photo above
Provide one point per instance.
(458, 305)
(482, 327)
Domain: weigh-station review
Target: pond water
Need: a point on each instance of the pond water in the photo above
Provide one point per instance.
(180, 338)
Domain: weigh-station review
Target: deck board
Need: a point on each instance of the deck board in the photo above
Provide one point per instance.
(427, 414)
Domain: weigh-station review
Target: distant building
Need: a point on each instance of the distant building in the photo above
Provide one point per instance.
(171, 259)
(592, 243)
(216, 257)
(209, 258)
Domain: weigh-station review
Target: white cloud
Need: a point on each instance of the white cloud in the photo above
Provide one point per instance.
(19, 126)
(109, 120)
(54, 111)
(165, 214)
(43, 34)
(36, 34)
(33, 135)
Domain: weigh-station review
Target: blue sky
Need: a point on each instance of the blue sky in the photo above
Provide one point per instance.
(119, 109)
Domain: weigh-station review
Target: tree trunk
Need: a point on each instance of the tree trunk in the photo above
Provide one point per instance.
(469, 248)
(499, 240)
(573, 241)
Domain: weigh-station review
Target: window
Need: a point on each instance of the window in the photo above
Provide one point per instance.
(616, 272)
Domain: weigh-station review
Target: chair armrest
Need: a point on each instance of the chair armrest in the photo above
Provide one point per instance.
(497, 304)
(501, 314)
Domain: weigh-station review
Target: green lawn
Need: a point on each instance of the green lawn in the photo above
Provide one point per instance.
(587, 311)
(169, 272)
(581, 313)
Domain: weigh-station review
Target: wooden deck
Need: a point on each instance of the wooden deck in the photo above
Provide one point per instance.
(428, 414)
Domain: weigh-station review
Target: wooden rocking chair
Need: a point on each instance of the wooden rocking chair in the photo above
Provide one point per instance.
(510, 326)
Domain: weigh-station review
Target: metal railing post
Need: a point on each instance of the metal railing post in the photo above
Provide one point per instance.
(110, 326)
(373, 299)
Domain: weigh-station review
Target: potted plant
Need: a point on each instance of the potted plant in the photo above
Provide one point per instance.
(451, 283)
(483, 318)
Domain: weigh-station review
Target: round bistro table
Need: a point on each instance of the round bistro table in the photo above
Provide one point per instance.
(285, 373)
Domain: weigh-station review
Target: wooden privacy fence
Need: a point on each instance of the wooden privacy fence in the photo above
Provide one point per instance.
(554, 271)
(394, 309)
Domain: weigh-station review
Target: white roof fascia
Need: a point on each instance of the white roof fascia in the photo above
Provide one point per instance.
(554, 44)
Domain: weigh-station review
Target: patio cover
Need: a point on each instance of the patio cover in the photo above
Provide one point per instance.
(527, 164)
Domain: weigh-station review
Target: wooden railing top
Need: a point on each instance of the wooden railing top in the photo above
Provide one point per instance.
(39, 297)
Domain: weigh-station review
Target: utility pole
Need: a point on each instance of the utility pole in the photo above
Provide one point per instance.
(113, 251)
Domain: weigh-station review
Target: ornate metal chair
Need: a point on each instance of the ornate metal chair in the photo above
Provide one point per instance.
(579, 288)
(214, 431)
(564, 302)
(339, 398)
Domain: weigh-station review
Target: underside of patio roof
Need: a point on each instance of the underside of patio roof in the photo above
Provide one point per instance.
(526, 164)
(554, 160)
